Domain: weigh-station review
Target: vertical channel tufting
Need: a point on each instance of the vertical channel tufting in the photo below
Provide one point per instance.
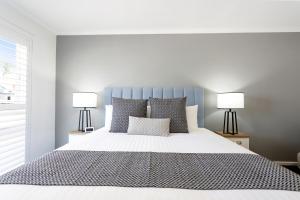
(178, 92)
(189, 93)
(117, 92)
(199, 100)
(157, 93)
(195, 96)
(127, 93)
(168, 93)
(147, 92)
(137, 93)
(107, 95)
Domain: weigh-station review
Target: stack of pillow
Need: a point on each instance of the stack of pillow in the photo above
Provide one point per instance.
(163, 116)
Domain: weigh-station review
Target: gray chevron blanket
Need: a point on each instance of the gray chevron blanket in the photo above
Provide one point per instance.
(204, 171)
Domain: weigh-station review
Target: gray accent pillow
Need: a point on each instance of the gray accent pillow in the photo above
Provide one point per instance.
(175, 109)
(122, 109)
(148, 126)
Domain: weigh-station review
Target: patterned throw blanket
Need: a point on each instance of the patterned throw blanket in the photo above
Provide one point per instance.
(204, 171)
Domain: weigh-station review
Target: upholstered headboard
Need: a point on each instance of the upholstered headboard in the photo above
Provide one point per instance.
(195, 95)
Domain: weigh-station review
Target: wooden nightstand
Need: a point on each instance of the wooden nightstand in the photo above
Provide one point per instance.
(241, 138)
(76, 135)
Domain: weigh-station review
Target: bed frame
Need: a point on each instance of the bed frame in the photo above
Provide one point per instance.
(195, 95)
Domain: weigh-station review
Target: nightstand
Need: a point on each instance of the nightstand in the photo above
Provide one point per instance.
(76, 135)
(241, 138)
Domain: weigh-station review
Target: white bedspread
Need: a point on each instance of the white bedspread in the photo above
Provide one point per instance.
(200, 141)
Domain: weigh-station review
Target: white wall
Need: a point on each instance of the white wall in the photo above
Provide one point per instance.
(43, 63)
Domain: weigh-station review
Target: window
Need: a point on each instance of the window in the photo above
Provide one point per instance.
(13, 84)
(13, 67)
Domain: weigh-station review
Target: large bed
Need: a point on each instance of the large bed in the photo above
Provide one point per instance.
(200, 141)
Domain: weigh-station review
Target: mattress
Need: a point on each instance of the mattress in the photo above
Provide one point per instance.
(199, 141)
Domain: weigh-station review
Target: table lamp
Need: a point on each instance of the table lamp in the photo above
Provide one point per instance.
(229, 101)
(84, 100)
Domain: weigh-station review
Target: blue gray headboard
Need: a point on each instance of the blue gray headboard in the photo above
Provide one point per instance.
(195, 95)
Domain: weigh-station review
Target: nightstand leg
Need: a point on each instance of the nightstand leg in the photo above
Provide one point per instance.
(224, 122)
(232, 121)
(82, 120)
(90, 118)
(227, 128)
(236, 125)
(87, 118)
(79, 120)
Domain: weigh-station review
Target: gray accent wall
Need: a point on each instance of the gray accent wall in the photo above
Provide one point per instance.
(266, 66)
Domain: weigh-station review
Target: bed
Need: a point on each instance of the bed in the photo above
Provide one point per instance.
(198, 142)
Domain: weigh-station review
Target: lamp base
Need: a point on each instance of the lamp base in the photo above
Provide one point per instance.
(230, 120)
(87, 115)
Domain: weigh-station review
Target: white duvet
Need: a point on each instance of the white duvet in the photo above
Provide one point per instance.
(200, 141)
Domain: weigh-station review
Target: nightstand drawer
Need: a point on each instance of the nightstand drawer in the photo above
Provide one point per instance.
(75, 136)
(241, 141)
(241, 138)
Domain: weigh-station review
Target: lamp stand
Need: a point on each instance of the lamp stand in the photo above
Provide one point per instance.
(234, 126)
(87, 114)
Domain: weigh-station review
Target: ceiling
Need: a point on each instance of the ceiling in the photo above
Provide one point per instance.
(80, 17)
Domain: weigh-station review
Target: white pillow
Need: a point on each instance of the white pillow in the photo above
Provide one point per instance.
(148, 126)
(191, 116)
(108, 116)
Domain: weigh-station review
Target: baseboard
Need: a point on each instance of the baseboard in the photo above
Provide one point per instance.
(287, 163)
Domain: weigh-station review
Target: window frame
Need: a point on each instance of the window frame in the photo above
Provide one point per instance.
(10, 31)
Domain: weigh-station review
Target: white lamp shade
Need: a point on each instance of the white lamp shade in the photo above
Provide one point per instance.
(84, 100)
(230, 100)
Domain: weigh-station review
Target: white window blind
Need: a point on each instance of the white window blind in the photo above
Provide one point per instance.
(13, 83)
